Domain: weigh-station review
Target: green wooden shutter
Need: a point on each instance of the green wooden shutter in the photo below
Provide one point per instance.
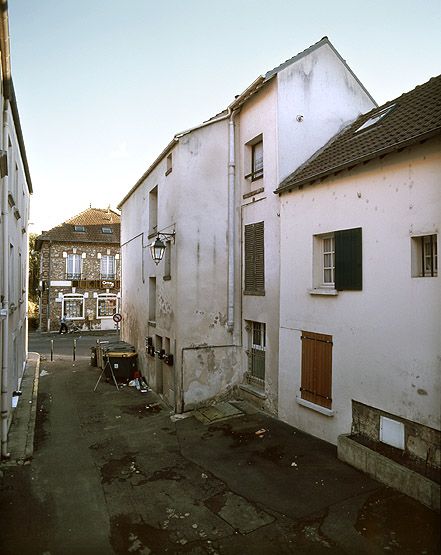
(348, 260)
(249, 257)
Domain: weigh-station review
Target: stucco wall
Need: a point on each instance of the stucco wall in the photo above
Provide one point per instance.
(191, 302)
(386, 351)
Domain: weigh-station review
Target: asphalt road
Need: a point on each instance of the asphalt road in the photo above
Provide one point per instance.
(63, 345)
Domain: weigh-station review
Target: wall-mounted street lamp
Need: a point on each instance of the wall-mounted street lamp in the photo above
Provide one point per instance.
(157, 248)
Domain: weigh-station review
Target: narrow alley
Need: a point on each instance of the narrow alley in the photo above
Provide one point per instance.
(113, 472)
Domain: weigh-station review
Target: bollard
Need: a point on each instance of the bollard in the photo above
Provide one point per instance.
(52, 350)
(74, 349)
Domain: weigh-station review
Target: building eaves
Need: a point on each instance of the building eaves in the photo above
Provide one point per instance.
(415, 117)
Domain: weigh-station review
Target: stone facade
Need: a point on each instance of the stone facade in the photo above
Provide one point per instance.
(80, 277)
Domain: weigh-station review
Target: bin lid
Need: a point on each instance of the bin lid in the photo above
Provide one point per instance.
(120, 354)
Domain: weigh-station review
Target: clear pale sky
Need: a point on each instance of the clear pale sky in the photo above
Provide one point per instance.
(103, 85)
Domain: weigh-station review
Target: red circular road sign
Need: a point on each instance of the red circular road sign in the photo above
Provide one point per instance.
(117, 317)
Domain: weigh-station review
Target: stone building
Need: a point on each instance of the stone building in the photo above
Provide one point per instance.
(80, 271)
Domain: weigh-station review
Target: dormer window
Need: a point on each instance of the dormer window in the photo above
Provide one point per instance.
(107, 230)
(375, 118)
(79, 228)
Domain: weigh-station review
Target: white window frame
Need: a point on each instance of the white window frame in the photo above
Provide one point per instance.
(420, 253)
(324, 261)
(72, 296)
(105, 260)
(106, 296)
(74, 257)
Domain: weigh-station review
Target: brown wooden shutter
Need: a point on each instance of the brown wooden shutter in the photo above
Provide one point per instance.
(316, 382)
(254, 258)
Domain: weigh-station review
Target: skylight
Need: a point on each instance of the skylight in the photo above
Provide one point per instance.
(79, 228)
(376, 118)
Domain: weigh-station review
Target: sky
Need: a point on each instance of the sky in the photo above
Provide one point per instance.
(103, 85)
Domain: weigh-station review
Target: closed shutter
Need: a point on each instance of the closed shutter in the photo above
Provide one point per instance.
(348, 260)
(254, 258)
(316, 381)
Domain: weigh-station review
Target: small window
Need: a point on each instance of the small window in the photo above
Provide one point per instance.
(256, 353)
(167, 261)
(338, 260)
(424, 256)
(169, 162)
(152, 299)
(107, 230)
(375, 118)
(153, 211)
(257, 161)
(79, 228)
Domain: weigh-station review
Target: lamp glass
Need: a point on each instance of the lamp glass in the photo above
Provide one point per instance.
(157, 250)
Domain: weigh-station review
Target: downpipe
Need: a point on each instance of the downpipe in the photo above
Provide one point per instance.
(5, 303)
(231, 222)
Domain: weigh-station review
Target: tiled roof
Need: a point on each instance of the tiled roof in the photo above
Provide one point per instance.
(413, 117)
(92, 220)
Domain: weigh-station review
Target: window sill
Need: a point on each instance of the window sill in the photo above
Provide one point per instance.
(152, 323)
(168, 172)
(258, 293)
(166, 278)
(323, 291)
(253, 390)
(253, 193)
(313, 406)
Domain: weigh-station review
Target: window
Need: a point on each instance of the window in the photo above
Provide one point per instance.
(107, 305)
(254, 259)
(167, 261)
(107, 230)
(73, 266)
(338, 260)
(256, 353)
(152, 299)
(73, 306)
(375, 118)
(153, 211)
(79, 228)
(257, 161)
(169, 164)
(424, 256)
(256, 158)
(316, 379)
(107, 267)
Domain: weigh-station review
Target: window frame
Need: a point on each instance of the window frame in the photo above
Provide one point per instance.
(256, 353)
(72, 297)
(108, 275)
(104, 297)
(420, 255)
(74, 275)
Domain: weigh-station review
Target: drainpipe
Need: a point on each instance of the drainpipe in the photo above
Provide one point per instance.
(5, 302)
(231, 222)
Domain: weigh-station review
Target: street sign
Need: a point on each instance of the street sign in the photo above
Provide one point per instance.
(117, 318)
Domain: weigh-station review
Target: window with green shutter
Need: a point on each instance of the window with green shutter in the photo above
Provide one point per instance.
(254, 259)
(338, 261)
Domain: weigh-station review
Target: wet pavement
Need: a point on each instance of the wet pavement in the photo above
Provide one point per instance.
(114, 472)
